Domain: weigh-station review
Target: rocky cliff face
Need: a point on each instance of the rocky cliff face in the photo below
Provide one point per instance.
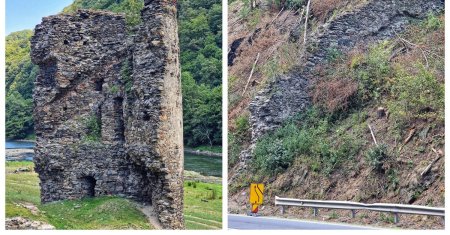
(288, 94)
(108, 109)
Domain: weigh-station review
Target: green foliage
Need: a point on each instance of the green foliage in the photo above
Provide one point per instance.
(125, 72)
(242, 125)
(202, 111)
(334, 215)
(433, 22)
(334, 54)
(272, 157)
(131, 8)
(114, 89)
(387, 218)
(200, 32)
(306, 135)
(94, 129)
(417, 96)
(376, 156)
(19, 119)
(371, 72)
(393, 178)
(294, 4)
(20, 75)
(245, 10)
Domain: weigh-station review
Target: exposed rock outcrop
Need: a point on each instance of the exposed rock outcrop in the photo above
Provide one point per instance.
(108, 113)
(288, 94)
(20, 223)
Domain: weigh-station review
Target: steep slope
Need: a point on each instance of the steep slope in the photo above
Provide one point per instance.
(304, 131)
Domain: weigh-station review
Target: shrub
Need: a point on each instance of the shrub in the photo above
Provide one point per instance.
(393, 178)
(433, 22)
(376, 156)
(372, 72)
(271, 157)
(126, 72)
(304, 135)
(334, 54)
(114, 89)
(417, 96)
(242, 126)
(94, 128)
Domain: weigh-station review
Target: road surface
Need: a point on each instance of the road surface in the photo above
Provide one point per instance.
(271, 223)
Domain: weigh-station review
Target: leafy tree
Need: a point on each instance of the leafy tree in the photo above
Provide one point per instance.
(20, 75)
(202, 112)
(19, 122)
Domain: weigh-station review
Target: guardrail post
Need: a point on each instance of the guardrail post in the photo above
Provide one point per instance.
(316, 211)
(282, 210)
(353, 214)
(396, 218)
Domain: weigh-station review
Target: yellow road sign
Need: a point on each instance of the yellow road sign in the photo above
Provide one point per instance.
(256, 194)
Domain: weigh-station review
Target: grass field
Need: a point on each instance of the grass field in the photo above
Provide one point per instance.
(203, 206)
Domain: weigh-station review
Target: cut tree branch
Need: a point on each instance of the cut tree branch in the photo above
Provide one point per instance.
(414, 45)
(275, 17)
(306, 21)
(427, 169)
(251, 74)
(373, 135)
(411, 134)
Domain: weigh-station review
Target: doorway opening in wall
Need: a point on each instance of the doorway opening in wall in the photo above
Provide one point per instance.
(88, 186)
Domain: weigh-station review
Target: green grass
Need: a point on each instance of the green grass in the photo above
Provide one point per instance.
(214, 148)
(202, 210)
(104, 212)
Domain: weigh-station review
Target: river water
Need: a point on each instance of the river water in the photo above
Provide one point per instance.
(19, 144)
(209, 166)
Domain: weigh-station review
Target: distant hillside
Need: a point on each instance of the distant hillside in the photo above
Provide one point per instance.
(20, 75)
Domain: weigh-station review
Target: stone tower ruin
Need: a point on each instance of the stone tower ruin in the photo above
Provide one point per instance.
(108, 112)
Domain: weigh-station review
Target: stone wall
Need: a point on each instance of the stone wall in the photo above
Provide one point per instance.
(108, 113)
(155, 124)
(377, 20)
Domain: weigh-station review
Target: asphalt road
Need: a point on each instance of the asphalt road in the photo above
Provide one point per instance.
(271, 223)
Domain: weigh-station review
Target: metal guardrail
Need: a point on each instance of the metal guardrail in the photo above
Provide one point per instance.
(395, 209)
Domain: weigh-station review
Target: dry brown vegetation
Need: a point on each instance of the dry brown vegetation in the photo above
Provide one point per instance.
(334, 94)
(263, 33)
(323, 8)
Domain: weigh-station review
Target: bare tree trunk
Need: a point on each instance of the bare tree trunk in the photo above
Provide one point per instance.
(306, 21)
